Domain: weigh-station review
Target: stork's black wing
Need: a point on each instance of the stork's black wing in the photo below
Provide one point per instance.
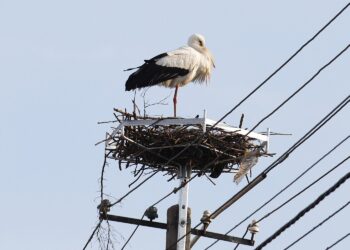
(150, 74)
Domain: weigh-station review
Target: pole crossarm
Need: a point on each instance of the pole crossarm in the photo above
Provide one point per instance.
(160, 225)
(223, 237)
(134, 221)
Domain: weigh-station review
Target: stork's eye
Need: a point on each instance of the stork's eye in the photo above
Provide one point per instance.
(200, 43)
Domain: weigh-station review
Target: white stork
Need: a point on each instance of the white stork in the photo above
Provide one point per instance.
(174, 69)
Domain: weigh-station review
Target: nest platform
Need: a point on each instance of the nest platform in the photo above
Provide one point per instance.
(167, 144)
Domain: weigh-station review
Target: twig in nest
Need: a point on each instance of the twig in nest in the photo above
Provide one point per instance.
(210, 179)
(106, 122)
(241, 121)
(146, 104)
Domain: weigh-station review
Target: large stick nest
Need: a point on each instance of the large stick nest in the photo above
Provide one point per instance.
(158, 148)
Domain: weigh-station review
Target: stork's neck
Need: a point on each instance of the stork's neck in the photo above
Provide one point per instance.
(197, 48)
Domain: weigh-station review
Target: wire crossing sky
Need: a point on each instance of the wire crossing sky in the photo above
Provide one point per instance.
(307, 209)
(338, 241)
(318, 225)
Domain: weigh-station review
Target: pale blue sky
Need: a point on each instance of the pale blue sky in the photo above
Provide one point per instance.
(61, 71)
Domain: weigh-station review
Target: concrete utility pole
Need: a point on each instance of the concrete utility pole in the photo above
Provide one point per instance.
(184, 175)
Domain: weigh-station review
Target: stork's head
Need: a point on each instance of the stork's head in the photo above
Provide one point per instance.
(197, 42)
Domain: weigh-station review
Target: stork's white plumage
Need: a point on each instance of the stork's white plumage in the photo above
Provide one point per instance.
(174, 69)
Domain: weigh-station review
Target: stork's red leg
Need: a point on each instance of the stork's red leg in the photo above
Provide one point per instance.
(175, 99)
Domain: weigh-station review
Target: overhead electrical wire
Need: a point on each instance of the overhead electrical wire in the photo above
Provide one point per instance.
(133, 189)
(311, 206)
(311, 132)
(318, 225)
(286, 62)
(132, 234)
(338, 241)
(92, 234)
(303, 190)
(245, 233)
(300, 88)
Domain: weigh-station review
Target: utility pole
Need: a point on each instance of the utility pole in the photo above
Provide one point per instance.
(184, 174)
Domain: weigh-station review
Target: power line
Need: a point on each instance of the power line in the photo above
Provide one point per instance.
(303, 190)
(133, 189)
(92, 234)
(299, 89)
(312, 131)
(304, 211)
(245, 233)
(132, 234)
(286, 62)
(335, 243)
(282, 190)
(318, 225)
